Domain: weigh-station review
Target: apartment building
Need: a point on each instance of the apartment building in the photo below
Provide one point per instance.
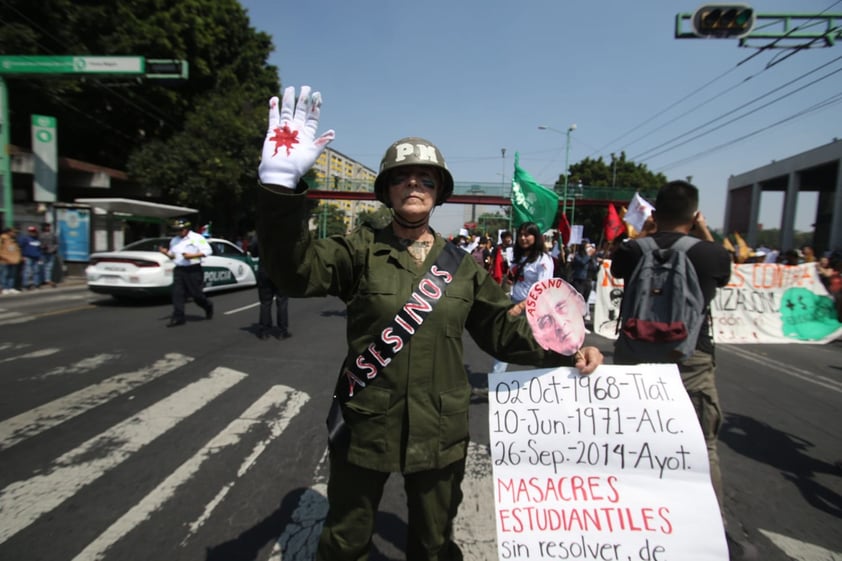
(337, 172)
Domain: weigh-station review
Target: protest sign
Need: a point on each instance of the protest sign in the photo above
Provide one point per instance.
(609, 296)
(610, 467)
(762, 303)
(774, 303)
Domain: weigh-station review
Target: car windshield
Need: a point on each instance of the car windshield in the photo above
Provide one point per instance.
(149, 244)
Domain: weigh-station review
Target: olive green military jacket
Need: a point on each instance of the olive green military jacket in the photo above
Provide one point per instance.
(414, 416)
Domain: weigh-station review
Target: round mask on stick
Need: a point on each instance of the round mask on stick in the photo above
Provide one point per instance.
(555, 311)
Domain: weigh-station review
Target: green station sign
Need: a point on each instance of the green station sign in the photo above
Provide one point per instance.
(23, 64)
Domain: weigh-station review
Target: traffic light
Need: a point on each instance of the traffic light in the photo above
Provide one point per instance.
(723, 20)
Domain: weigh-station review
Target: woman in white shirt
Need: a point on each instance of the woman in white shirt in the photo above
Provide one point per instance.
(531, 263)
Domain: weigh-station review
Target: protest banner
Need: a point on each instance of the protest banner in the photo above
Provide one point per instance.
(762, 303)
(610, 467)
(609, 296)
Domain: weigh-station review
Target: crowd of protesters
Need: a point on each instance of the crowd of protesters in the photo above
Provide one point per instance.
(579, 263)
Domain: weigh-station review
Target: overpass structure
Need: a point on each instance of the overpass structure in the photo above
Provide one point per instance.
(491, 194)
(819, 169)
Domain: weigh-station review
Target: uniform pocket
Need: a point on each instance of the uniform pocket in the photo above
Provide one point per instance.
(366, 416)
(453, 415)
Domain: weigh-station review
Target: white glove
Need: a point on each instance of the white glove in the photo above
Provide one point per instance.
(291, 147)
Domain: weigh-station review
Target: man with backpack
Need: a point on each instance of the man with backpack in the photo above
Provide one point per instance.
(665, 314)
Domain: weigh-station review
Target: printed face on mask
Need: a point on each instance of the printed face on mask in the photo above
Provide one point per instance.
(555, 311)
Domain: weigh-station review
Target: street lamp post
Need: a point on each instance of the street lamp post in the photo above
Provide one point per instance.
(570, 129)
(503, 173)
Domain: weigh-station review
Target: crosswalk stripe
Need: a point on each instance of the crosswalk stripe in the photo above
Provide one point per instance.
(261, 412)
(801, 551)
(266, 404)
(474, 528)
(39, 419)
(10, 316)
(23, 502)
(83, 366)
(40, 353)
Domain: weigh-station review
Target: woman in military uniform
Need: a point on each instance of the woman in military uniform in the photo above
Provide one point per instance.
(413, 417)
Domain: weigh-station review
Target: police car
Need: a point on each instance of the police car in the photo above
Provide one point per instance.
(140, 270)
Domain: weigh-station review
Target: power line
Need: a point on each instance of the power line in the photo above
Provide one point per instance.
(645, 155)
(695, 107)
(662, 111)
(710, 82)
(836, 98)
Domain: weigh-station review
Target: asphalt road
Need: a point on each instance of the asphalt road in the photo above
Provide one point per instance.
(121, 439)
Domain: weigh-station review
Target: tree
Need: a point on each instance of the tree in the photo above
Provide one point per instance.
(378, 219)
(491, 223)
(329, 219)
(203, 133)
(619, 173)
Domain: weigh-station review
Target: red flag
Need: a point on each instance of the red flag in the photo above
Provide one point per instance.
(613, 225)
(497, 265)
(564, 229)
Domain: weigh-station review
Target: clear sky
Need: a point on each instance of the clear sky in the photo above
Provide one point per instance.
(476, 76)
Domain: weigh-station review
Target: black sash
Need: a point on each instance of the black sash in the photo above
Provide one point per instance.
(366, 367)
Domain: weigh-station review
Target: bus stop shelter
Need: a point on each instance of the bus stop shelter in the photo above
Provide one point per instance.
(110, 216)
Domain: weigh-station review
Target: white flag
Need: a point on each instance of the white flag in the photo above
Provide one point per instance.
(639, 210)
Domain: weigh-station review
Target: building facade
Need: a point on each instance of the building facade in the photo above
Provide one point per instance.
(335, 171)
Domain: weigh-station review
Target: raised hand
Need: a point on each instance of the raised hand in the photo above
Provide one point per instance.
(291, 146)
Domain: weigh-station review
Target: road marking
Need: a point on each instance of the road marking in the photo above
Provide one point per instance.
(81, 367)
(267, 404)
(34, 354)
(4, 316)
(39, 419)
(63, 311)
(23, 502)
(263, 412)
(473, 529)
(801, 551)
(804, 375)
(242, 309)
(11, 318)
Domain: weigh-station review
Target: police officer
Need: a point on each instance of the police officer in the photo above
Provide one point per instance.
(413, 417)
(187, 249)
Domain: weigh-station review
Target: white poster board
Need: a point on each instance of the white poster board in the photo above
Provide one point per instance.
(611, 467)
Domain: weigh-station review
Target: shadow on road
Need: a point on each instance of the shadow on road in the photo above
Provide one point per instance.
(296, 524)
(785, 452)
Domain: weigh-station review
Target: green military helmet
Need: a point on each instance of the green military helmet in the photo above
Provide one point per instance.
(412, 151)
(180, 224)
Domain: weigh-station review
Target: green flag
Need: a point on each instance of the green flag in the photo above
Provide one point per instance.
(531, 201)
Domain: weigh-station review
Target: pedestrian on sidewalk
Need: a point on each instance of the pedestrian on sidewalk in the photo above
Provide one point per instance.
(49, 251)
(10, 258)
(33, 259)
